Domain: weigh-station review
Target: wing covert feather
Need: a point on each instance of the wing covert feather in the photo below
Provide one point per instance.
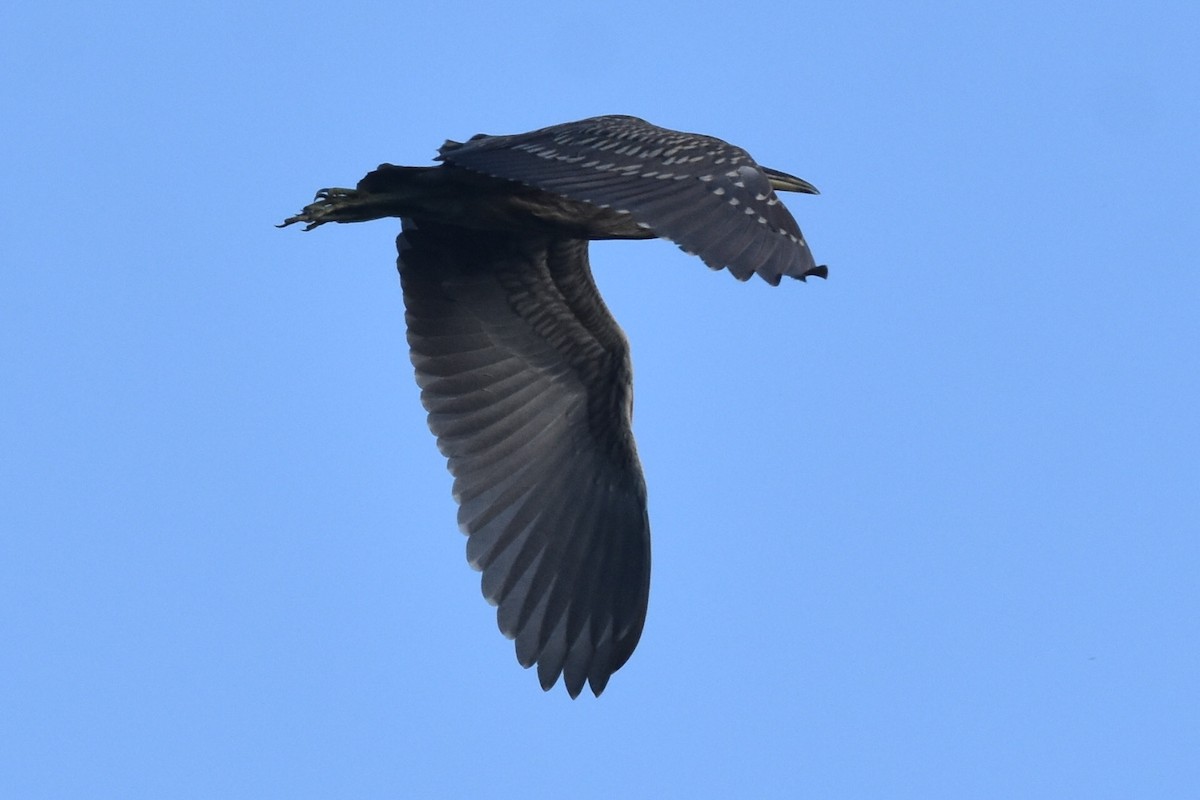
(668, 180)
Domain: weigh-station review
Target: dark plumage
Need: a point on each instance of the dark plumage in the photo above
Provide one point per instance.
(526, 376)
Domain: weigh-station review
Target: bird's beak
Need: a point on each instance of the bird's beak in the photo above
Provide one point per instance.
(788, 183)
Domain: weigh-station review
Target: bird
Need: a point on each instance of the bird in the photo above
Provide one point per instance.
(524, 373)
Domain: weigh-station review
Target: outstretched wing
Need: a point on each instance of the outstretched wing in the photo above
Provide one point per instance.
(527, 382)
(706, 195)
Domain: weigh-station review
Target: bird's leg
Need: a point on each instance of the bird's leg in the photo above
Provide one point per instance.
(337, 205)
(388, 191)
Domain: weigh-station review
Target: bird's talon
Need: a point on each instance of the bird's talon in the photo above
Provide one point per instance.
(328, 205)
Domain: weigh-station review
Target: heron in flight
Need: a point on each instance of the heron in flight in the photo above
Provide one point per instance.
(525, 374)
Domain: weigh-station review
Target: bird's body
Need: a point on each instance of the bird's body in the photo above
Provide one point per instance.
(525, 374)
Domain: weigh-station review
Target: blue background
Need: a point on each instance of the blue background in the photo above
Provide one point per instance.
(927, 529)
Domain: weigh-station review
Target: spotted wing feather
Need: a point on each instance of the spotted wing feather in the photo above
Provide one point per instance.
(706, 195)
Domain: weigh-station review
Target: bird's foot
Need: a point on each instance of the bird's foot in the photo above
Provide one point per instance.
(333, 205)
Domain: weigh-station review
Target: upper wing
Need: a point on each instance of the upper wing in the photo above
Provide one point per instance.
(704, 194)
(528, 386)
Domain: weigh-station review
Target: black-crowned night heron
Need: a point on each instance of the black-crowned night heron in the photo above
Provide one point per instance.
(527, 377)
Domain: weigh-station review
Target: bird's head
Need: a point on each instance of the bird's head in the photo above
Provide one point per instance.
(781, 181)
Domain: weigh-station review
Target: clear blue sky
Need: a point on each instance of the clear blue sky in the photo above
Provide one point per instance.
(928, 529)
